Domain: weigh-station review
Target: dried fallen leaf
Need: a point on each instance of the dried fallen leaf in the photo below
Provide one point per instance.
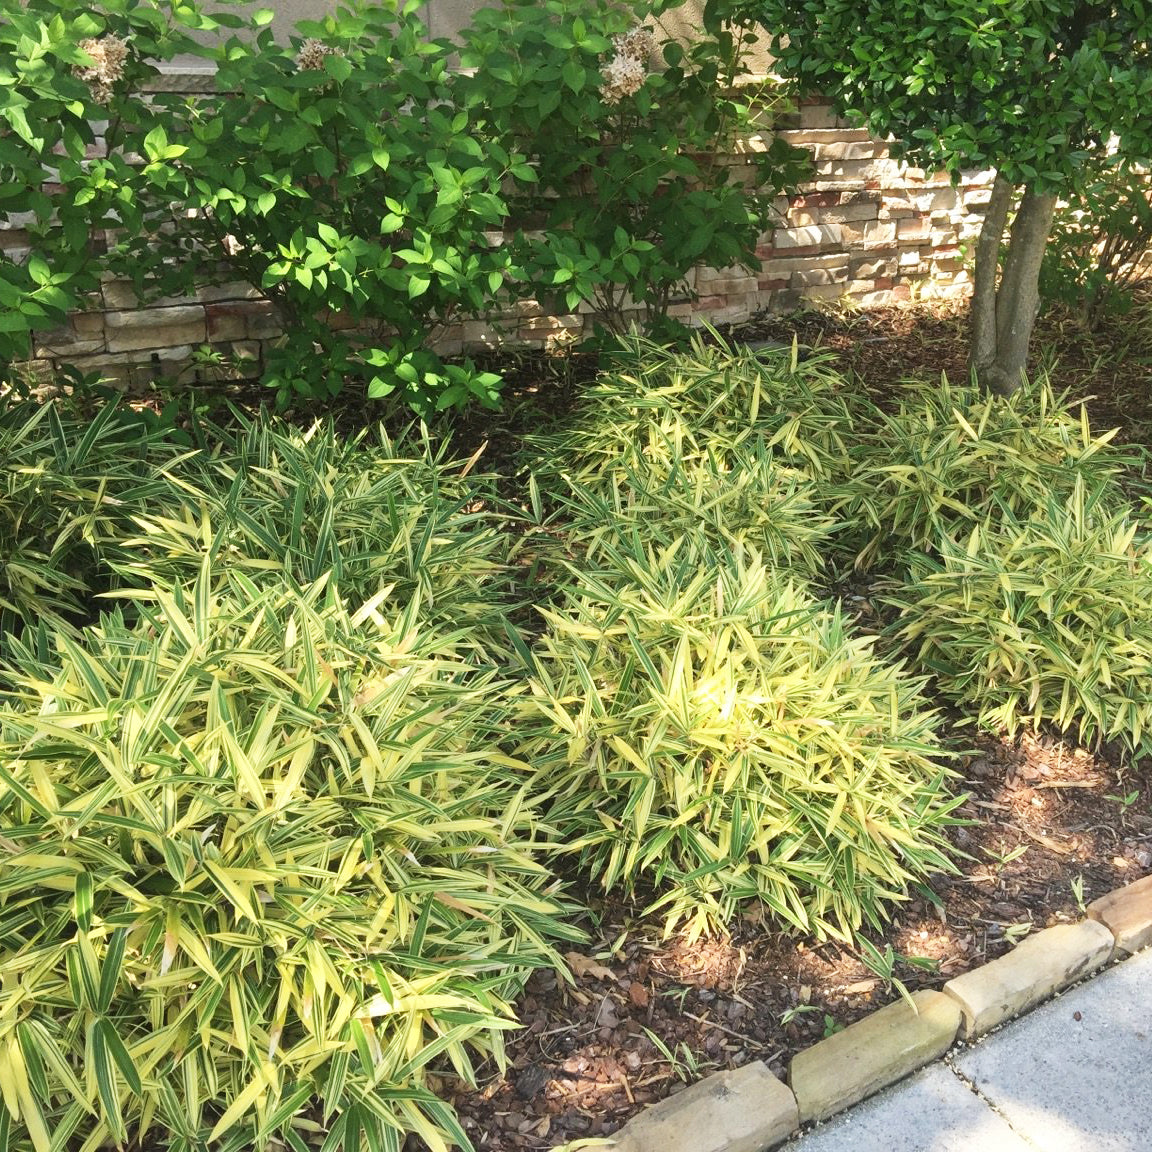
(586, 966)
(606, 1014)
(1049, 843)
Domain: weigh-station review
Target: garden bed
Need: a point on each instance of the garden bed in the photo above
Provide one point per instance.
(1053, 825)
(446, 541)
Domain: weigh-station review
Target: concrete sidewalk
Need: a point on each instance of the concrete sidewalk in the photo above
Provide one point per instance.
(1075, 1075)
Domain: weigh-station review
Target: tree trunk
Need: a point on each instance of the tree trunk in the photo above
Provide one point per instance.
(983, 347)
(1002, 317)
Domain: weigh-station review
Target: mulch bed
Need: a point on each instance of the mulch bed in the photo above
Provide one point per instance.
(1052, 827)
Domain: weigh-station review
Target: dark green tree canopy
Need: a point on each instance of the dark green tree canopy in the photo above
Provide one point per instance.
(1027, 86)
(1033, 88)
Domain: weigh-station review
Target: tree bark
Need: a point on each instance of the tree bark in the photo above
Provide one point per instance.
(1017, 298)
(983, 341)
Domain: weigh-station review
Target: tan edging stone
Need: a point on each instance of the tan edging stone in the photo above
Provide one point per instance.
(1127, 914)
(744, 1110)
(872, 1053)
(1034, 970)
(748, 1110)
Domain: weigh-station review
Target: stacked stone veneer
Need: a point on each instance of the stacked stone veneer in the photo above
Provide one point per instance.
(868, 230)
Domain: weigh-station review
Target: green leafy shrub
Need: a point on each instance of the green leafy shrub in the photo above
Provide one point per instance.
(60, 184)
(950, 456)
(1099, 235)
(1041, 620)
(335, 175)
(261, 865)
(627, 133)
(703, 728)
(374, 192)
(338, 175)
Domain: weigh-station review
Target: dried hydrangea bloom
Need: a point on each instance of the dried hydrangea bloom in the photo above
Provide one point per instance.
(310, 58)
(109, 54)
(621, 76)
(640, 44)
(624, 74)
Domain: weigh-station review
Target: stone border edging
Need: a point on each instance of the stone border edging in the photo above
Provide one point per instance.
(747, 1109)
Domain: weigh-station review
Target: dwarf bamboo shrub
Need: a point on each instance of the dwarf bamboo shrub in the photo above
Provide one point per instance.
(1045, 620)
(261, 864)
(378, 514)
(744, 448)
(733, 496)
(952, 455)
(706, 731)
(657, 402)
(68, 486)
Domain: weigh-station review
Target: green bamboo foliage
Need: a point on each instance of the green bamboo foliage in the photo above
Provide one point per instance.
(261, 862)
(708, 733)
(68, 486)
(658, 405)
(733, 497)
(1044, 620)
(736, 447)
(374, 512)
(950, 456)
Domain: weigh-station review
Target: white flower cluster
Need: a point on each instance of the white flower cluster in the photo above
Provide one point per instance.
(639, 43)
(624, 74)
(108, 56)
(310, 58)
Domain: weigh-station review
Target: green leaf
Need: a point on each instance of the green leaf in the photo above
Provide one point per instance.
(111, 970)
(156, 143)
(573, 75)
(337, 66)
(83, 902)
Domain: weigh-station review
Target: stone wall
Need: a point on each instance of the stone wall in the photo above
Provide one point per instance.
(868, 230)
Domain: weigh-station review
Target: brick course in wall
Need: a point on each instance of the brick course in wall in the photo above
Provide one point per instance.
(867, 230)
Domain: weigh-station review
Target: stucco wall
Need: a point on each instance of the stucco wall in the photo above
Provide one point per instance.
(447, 17)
